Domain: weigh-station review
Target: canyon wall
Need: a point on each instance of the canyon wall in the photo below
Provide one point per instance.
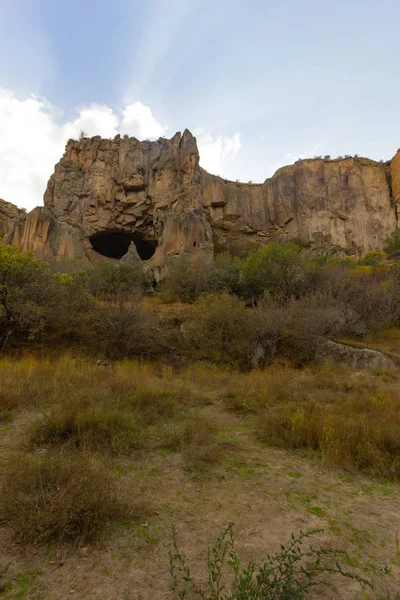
(104, 194)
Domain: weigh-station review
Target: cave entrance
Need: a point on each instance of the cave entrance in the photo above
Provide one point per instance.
(115, 244)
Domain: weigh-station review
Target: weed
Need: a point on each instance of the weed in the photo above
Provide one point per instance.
(289, 574)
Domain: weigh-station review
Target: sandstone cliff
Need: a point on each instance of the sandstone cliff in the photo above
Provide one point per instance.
(105, 194)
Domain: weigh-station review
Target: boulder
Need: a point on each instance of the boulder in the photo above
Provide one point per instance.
(356, 358)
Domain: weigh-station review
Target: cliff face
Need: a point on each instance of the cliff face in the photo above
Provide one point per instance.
(104, 194)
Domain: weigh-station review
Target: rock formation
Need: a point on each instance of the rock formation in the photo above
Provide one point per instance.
(105, 194)
(9, 215)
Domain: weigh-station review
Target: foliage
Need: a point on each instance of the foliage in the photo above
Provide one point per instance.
(26, 294)
(187, 278)
(72, 302)
(275, 269)
(289, 574)
(372, 259)
(190, 276)
(122, 329)
(110, 280)
(220, 327)
(393, 242)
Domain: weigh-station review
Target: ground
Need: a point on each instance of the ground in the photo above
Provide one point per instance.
(267, 493)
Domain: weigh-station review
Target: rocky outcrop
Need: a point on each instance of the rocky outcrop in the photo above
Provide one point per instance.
(356, 358)
(41, 232)
(9, 215)
(105, 194)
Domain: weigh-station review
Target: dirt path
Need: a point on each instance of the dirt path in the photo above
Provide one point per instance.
(267, 494)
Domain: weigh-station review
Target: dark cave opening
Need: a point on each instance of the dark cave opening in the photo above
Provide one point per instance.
(115, 244)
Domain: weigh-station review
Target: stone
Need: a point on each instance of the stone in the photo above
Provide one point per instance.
(132, 257)
(105, 194)
(356, 358)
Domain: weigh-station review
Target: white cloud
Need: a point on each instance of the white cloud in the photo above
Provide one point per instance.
(31, 142)
(94, 120)
(138, 121)
(33, 137)
(215, 153)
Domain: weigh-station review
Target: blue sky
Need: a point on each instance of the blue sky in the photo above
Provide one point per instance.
(260, 83)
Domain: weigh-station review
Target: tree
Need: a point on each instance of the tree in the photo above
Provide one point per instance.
(276, 269)
(26, 292)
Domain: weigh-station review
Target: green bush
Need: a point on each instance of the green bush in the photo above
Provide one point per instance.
(190, 276)
(392, 244)
(277, 269)
(118, 279)
(187, 278)
(27, 292)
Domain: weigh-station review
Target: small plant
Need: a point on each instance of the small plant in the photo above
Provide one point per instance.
(289, 574)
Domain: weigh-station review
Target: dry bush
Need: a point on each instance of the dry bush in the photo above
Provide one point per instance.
(187, 278)
(220, 328)
(370, 295)
(98, 429)
(120, 330)
(63, 498)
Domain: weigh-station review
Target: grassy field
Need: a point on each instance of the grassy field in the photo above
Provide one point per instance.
(97, 464)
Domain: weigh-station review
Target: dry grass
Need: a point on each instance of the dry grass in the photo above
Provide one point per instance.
(199, 444)
(351, 418)
(98, 429)
(63, 498)
(89, 415)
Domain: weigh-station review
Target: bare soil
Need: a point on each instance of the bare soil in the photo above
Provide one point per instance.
(267, 493)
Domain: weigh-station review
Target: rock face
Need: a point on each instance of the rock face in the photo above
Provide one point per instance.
(105, 194)
(9, 215)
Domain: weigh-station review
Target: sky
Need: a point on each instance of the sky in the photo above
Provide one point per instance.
(260, 83)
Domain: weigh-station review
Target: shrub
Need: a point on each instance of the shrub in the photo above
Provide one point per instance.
(220, 328)
(98, 429)
(120, 330)
(289, 574)
(72, 302)
(372, 259)
(371, 295)
(187, 277)
(118, 280)
(276, 269)
(392, 244)
(63, 498)
(26, 292)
